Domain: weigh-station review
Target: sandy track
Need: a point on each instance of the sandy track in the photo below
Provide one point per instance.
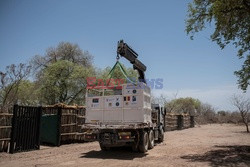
(209, 145)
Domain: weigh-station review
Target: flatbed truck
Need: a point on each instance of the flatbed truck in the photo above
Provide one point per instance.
(124, 116)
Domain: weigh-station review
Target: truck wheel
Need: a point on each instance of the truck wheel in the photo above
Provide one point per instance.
(151, 137)
(143, 146)
(161, 135)
(103, 148)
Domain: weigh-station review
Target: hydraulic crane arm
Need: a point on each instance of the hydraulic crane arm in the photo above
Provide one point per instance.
(125, 51)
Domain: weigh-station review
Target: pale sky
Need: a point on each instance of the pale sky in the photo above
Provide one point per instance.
(154, 29)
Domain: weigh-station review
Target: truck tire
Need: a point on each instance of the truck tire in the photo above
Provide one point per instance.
(103, 148)
(151, 137)
(143, 146)
(161, 135)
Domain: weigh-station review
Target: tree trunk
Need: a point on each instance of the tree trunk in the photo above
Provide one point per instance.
(245, 119)
(247, 127)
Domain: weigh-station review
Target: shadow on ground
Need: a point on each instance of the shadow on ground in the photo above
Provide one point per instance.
(121, 153)
(224, 156)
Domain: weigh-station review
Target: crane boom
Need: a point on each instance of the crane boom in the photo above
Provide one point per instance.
(125, 51)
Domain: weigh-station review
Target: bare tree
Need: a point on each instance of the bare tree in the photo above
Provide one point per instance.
(170, 107)
(243, 106)
(10, 81)
(235, 117)
(206, 114)
(164, 100)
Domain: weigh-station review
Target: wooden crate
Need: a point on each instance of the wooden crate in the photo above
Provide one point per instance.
(6, 115)
(186, 121)
(171, 122)
(72, 118)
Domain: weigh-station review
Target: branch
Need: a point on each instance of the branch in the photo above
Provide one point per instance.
(73, 98)
(247, 4)
(232, 9)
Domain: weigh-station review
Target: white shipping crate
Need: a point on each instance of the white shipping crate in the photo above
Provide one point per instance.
(132, 104)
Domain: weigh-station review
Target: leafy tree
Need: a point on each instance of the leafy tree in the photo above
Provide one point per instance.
(64, 82)
(27, 93)
(183, 105)
(61, 73)
(64, 51)
(232, 25)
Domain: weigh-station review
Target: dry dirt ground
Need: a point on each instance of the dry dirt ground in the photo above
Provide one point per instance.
(208, 145)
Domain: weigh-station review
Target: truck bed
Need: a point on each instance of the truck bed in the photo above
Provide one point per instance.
(117, 126)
